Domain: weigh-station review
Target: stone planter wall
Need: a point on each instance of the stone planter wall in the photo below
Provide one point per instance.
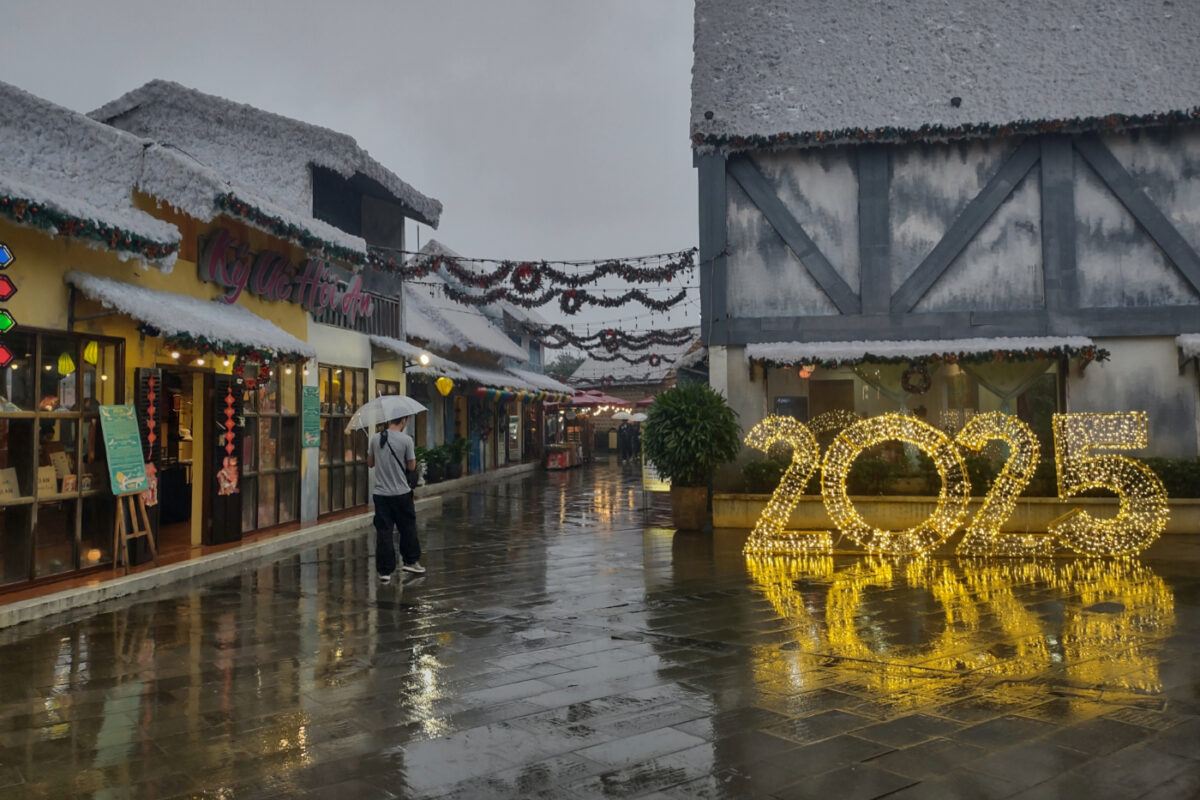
(899, 512)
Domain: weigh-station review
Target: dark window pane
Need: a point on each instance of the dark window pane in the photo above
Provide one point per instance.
(266, 501)
(360, 472)
(19, 379)
(54, 538)
(96, 529)
(250, 445)
(323, 494)
(268, 443)
(14, 543)
(289, 442)
(288, 496)
(249, 492)
(337, 493)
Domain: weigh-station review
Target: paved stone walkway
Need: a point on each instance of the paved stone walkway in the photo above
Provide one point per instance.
(563, 646)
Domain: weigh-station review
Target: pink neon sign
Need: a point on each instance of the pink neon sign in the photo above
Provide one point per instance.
(270, 275)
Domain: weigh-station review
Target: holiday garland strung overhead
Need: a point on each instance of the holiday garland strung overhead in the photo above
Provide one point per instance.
(527, 277)
(29, 212)
(558, 336)
(570, 300)
(732, 143)
(653, 359)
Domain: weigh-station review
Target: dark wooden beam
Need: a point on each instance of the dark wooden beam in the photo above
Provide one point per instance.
(965, 228)
(713, 237)
(1134, 198)
(1160, 321)
(762, 194)
(1059, 269)
(874, 231)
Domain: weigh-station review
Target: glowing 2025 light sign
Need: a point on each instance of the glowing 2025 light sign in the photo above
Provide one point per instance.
(1141, 517)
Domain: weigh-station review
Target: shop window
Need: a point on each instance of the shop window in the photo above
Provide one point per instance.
(271, 452)
(343, 454)
(56, 507)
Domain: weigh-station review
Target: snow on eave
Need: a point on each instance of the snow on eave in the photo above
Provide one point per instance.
(71, 176)
(176, 314)
(271, 154)
(1189, 344)
(855, 351)
(540, 381)
(795, 73)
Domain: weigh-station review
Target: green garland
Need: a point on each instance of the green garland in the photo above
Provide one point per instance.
(29, 212)
(1028, 354)
(894, 134)
(230, 204)
(225, 348)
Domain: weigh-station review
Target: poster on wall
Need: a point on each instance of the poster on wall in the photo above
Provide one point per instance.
(310, 417)
(126, 469)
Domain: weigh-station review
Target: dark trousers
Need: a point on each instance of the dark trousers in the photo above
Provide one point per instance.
(395, 511)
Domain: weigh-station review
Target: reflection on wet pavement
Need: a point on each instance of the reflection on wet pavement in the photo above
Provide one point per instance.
(566, 644)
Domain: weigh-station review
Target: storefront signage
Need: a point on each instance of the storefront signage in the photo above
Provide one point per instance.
(123, 447)
(310, 416)
(270, 275)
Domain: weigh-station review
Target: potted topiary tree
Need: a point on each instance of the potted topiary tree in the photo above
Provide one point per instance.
(690, 431)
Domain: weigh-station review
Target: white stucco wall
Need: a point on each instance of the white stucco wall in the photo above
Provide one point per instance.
(1143, 375)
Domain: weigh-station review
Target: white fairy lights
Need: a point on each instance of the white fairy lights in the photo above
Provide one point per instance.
(952, 498)
(983, 536)
(769, 535)
(1141, 519)
(1143, 499)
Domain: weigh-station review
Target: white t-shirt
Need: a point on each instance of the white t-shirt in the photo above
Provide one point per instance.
(389, 469)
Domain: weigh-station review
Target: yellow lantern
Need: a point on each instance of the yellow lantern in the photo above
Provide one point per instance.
(66, 364)
(444, 385)
(91, 352)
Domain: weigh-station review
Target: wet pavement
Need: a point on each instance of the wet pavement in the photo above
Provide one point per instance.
(566, 644)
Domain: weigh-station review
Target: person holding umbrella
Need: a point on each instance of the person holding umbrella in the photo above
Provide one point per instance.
(392, 457)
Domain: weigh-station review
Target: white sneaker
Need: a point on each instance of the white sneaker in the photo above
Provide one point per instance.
(414, 567)
(385, 578)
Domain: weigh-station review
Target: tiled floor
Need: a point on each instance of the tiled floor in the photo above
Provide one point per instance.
(564, 646)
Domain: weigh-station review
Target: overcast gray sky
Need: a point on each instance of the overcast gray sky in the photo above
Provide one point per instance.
(548, 128)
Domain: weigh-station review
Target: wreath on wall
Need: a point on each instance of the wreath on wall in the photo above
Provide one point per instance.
(916, 379)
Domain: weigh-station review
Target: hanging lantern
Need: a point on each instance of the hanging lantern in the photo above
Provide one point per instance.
(66, 364)
(444, 385)
(91, 352)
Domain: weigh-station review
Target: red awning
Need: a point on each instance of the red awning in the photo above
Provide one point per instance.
(595, 397)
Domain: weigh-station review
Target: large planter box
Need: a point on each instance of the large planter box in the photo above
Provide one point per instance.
(900, 512)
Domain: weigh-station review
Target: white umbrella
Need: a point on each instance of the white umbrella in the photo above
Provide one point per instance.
(638, 417)
(382, 409)
(622, 415)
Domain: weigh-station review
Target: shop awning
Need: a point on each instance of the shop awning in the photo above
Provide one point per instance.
(509, 379)
(832, 354)
(222, 327)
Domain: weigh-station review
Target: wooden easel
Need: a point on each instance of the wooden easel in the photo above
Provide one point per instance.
(121, 537)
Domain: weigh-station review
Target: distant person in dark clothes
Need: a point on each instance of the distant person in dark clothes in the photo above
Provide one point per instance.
(624, 440)
(635, 441)
(394, 458)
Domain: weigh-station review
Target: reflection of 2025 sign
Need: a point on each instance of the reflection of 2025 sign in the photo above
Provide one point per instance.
(1141, 517)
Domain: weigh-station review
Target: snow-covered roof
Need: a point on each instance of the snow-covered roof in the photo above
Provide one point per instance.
(176, 314)
(692, 358)
(540, 381)
(856, 351)
(445, 324)
(818, 72)
(592, 371)
(496, 379)
(1189, 344)
(263, 159)
(73, 176)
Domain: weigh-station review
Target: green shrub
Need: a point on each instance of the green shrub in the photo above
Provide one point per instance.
(871, 476)
(690, 432)
(1180, 476)
(761, 477)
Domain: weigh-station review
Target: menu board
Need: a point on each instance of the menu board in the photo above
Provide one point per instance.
(310, 416)
(126, 470)
(9, 488)
(47, 481)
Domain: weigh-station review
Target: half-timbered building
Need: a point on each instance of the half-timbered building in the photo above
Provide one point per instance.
(949, 208)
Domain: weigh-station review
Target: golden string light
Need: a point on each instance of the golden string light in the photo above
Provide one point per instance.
(833, 421)
(769, 535)
(983, 536)
(952, 499)
(1143, 510)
